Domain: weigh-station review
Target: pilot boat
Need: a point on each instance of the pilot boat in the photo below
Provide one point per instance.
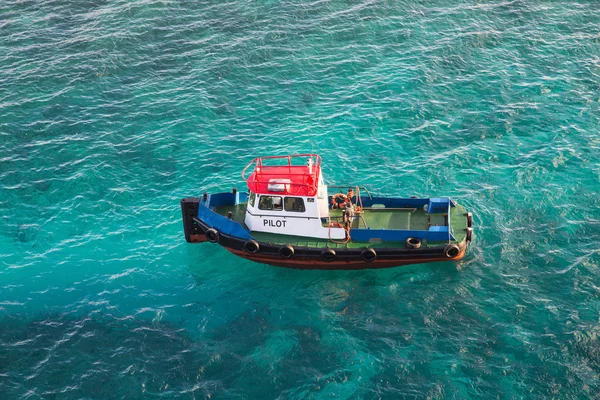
(288, 218)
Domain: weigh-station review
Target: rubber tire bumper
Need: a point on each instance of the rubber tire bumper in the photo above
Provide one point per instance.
(328, 255)
(286, 251)
(451, 251)
(413, 243)
(251, 247)
(368, 255)
(212, 235)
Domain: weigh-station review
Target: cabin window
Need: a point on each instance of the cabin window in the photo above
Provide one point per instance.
(274, 203)
(252, 198)
(295, 204)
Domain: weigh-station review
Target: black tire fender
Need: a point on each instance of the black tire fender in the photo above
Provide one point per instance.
(212, 235)
(413, 243)
(328, 255)
(469, 234)
(368, 255)
(451, 251)
(251, 246)
(469, 220)
(286, 251)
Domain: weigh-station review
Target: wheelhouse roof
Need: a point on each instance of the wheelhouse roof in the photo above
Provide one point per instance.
(298, 176)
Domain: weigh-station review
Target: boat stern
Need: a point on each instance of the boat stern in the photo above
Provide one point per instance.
(193, 231)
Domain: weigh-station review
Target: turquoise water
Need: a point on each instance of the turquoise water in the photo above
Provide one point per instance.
(111, 111)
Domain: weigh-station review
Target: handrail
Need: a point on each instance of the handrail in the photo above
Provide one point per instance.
(449, 223)
(351, 187)
(259, 162)
(291, 155)
(340, 218)
(245, 168)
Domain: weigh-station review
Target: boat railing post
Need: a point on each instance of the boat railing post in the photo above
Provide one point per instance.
(364, 221)
(449, 223)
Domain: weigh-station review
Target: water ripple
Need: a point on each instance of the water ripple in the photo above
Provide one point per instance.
(111, 110)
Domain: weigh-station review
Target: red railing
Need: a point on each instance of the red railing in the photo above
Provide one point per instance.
(274, 171)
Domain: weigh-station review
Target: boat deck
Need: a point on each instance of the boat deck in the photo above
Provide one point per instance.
(374, 218)
(385, 218)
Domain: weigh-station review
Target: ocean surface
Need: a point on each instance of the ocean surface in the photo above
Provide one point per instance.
(113, 110)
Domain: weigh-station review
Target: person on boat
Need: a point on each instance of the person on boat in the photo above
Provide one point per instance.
(347, 218)
(350, 195)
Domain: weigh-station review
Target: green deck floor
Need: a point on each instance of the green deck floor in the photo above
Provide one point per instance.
(381, 218)
(405, 219)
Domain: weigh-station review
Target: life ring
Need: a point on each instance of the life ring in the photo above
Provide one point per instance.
(469, 219)
(328, 255)
(286, 251)
(368, 255)
(212, 235)
(451, 251)
(469, 234)
(339, 200)
(335, 225)
(413, 243)
(251, 246)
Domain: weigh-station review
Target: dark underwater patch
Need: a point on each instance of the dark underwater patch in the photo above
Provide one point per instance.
(83, 357)
(59, 355)
(27, 233)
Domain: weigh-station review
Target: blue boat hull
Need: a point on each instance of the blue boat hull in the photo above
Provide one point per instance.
(202, 224)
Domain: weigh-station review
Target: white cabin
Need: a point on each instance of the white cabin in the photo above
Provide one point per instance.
(289, 199)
